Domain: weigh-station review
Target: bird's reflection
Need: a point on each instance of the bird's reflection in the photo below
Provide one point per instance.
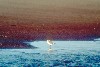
(50, 49)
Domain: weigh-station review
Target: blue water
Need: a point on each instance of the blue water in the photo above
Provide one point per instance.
(63, 54)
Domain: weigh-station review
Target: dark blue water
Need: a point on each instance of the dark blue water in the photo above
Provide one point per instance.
(63, 54)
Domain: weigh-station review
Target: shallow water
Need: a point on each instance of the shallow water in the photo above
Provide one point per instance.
(63, 54)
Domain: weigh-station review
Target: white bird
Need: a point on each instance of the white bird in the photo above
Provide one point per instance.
(50, 43)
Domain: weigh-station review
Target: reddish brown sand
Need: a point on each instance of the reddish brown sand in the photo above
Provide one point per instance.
(56, 31)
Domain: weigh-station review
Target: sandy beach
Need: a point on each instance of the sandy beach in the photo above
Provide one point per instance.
(49, 19)
(25, 25)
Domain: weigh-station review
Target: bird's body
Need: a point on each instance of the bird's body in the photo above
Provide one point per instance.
(50, 43)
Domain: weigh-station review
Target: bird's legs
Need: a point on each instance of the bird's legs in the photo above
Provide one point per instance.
(50, 47)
